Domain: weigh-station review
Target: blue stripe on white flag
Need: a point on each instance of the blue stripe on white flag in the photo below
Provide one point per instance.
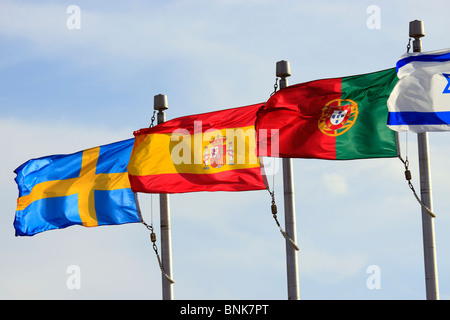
(418, 118)
(424, 58)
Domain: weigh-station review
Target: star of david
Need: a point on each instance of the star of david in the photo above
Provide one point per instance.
(447, 88)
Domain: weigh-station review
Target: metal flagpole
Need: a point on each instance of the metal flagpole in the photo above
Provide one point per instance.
(283, 71)
(416, 31)
(160, 104)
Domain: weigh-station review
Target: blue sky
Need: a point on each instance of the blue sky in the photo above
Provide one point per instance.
(64, 90)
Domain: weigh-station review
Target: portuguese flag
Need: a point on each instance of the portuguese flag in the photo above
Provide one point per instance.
(337, 118)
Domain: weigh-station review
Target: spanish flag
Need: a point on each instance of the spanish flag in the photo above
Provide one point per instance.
(213, 151)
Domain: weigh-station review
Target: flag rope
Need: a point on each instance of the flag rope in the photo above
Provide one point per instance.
(275, 87)
(408, 178)
(152, 237)
(274, 213)
(155, 248)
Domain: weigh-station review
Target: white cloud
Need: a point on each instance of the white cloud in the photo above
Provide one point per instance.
(177, 29)
(27, 140)
(331, 267)
(335, 183)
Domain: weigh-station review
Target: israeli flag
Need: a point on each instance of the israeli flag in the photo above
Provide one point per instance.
(420, 101)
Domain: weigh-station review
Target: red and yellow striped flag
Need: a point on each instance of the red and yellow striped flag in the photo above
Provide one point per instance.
(213, 151)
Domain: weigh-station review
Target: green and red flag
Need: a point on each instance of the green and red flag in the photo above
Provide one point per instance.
(337, 118)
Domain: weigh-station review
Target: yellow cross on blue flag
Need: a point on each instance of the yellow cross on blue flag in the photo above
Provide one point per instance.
(88, 188)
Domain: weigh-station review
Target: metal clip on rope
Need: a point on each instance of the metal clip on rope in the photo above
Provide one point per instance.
(275, 87)
(153, 119)
(155, 248)
(408, 178)
(274, 213)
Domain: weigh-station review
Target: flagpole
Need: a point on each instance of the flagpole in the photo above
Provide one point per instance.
(160, 104)
(283, 71)
(416, 31)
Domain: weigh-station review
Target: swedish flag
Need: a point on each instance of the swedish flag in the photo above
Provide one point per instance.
(89, 188)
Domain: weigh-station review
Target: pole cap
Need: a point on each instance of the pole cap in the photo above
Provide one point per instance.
(283, 69)
(160, 102)
(416, 29)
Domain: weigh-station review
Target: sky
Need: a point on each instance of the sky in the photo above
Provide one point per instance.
(68, 85)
